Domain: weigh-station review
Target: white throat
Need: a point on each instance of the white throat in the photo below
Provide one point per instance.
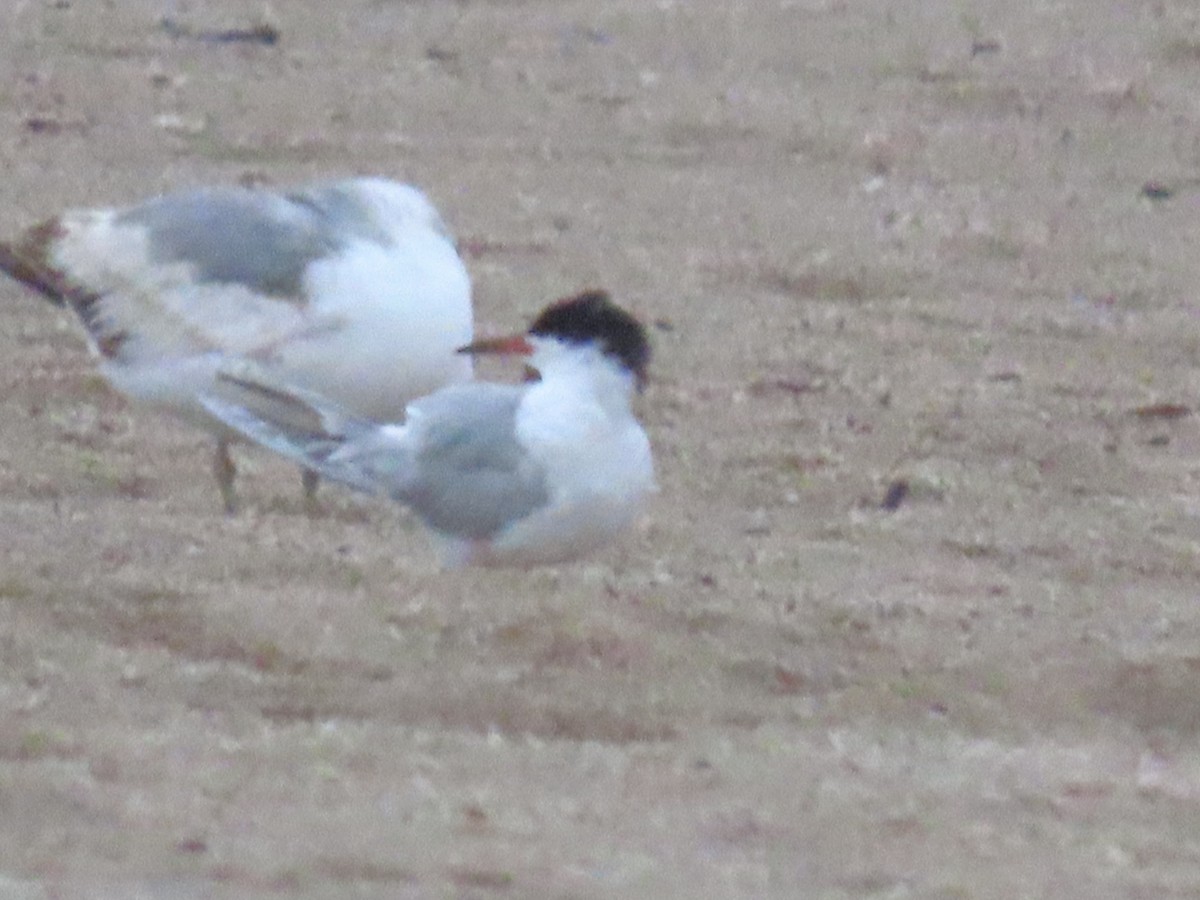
(584, 369)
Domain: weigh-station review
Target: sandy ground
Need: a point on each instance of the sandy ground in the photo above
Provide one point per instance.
(954, 250)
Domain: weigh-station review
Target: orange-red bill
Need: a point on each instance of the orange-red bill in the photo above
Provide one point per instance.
(517, 344)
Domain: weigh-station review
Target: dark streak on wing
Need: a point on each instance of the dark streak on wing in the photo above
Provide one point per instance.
(296, 424)
(26, 261)
(310, 451)
(304, 415)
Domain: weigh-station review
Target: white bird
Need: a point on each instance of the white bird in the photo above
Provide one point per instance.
(353, 289)
(509, 474)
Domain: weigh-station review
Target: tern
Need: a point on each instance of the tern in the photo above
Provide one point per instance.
(353, 289)
(508, 474)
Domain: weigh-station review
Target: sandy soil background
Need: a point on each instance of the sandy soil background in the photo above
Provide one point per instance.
(953, 248)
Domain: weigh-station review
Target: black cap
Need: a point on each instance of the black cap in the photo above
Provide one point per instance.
(591, 317)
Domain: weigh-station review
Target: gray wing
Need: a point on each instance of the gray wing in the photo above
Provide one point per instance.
(297, 424)
(457, 461)
(469, 475)
(216, 268)
(258, 239)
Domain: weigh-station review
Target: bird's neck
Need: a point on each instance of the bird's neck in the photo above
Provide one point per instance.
(593, 376)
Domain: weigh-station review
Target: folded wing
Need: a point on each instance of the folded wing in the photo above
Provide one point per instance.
(456, 461)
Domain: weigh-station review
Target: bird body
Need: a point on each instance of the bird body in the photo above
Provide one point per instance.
(527, 474)
(353, 289)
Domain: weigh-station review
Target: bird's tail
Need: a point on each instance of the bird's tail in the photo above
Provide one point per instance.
(27, 260)
(295, 423)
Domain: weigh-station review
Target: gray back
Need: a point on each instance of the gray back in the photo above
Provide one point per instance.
(256, 238)
(473, 475)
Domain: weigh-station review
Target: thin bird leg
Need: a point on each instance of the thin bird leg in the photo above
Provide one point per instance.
(225, 471)
(310, 480)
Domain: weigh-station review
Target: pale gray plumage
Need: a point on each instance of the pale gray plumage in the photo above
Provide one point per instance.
(456, 461)
(256, 239)
(474, 476)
